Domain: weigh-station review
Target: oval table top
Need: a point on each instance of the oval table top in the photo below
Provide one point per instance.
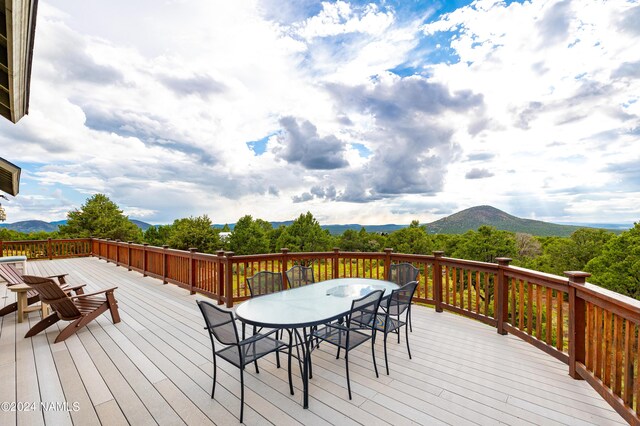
(309, 305)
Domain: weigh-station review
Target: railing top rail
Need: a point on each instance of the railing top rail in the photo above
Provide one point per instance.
(56, 240)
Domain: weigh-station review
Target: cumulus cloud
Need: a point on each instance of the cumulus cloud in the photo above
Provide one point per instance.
(476, 173)
(300, 143)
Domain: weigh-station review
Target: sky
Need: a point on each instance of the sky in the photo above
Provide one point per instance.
(357, 111)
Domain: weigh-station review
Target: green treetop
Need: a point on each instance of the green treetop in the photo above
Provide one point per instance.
(101, 218)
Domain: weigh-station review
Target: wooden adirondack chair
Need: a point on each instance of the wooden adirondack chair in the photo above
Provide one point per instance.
(80, 309)
(13, 276)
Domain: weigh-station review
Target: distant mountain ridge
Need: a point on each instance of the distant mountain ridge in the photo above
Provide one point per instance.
(475, 217)
(457, 223)
(28, 226)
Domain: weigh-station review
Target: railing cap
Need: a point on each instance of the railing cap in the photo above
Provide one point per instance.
(388, 250)
(577, 276)
(193, 249)
(284, 250)
(503, 261)
(438, 253)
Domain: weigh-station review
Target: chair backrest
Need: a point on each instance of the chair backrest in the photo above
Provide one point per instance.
(402, 273)
(364, 310)
(220, 323)
(264, 283)
(300, 275)
(10, 274)
(51, 294)
(400, 299)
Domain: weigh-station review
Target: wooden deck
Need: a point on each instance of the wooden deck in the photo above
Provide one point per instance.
(155, 368)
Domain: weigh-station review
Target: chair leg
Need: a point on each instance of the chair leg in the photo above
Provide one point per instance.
(373, 352)
(43, 324)
(68, 330)
(289, 361)
(242, 395)
(215, 371)
(346, 364)
(113, 307)
(407, 336)
(386, 362)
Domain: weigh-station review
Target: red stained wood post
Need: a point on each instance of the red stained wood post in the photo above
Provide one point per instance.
(118, 252)
(1, 249)
(193, 270)
(437, 279)
(164, 264)
(129, 255)
(228, 280)
(336, 262)
(144, 259)
(49, 248)
(577, 322)
(387, 261)
(106, 257)
(502, 295)
(285, 263)
(220, 277)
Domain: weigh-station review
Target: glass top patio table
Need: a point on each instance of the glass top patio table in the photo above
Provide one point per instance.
(309, 305)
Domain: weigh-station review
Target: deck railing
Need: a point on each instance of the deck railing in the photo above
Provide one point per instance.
(593, 330)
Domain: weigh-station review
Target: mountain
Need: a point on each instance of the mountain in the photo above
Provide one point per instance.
(140, 224)
(474, 217)
(28, 226)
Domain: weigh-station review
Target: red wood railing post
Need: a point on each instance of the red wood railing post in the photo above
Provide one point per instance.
(193, 271)
(387, 261)
(1, 249)
(164, 263)
(118, 252)
(49, 248)
(284, 263)
(144, 259)
(228, 280)
(220, 277)
(577, 323)
(106, 257)
(335, 260)
(502, 295)
(437, 279)
(128, 255)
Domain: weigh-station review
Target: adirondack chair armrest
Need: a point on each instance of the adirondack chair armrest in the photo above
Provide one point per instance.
(75, 287)
(95, 293)
(60, 278)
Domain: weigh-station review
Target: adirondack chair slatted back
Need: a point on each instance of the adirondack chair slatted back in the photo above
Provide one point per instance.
(10, 274)
(51, 294)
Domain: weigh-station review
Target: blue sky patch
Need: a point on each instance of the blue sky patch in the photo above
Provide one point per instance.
(259, 146)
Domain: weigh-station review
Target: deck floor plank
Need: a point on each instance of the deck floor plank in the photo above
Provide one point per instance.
(155, 368)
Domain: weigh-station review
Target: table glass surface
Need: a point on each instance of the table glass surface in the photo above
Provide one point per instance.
(309, 305)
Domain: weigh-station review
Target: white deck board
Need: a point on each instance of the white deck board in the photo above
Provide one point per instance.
(155, 367)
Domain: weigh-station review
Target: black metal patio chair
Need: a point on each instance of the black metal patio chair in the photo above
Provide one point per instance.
(264, 282)
(398, 303)
(401, 274)
(299, 275)
(354, 331)
(221, 325)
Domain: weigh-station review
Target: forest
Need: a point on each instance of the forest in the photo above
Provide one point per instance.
(613, 260)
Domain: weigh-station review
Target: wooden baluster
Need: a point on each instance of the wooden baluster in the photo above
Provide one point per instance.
(577, 324)
(437, 279)
(529, 308)
(502, 295)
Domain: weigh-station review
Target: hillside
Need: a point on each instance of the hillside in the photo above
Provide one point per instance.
(474, 217)
(28, 226)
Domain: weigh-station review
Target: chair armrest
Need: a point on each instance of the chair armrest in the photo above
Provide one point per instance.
(60, 278)
(256, 337)
(95, 293)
